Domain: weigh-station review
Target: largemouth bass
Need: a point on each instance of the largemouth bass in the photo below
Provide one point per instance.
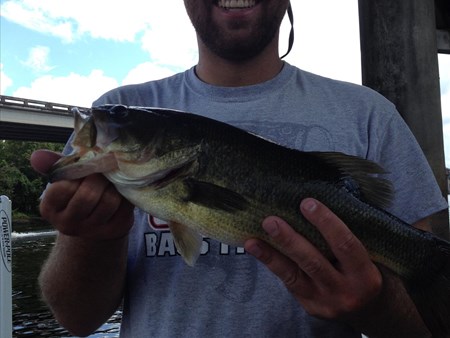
(207, 178)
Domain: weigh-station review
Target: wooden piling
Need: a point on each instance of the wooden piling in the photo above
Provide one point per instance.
(399, 60)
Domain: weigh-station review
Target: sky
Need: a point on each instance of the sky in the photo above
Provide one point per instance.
(71, 52)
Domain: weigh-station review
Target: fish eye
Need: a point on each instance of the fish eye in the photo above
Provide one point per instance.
(119, 111)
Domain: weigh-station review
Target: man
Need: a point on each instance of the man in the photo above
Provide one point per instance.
(100, 258)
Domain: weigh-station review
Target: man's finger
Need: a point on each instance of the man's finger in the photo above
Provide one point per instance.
(280, 265)
(298, 249)
(347, 248)
(42, 160)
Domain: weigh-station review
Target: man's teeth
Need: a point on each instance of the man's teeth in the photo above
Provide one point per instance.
(236, 3)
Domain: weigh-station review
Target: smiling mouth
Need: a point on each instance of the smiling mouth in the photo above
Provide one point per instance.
(236, 4)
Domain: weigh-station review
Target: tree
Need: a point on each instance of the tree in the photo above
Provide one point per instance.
(17, 179)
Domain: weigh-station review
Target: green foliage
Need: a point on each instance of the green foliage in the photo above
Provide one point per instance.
(18, 180)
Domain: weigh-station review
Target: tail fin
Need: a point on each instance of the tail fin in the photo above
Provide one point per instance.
(433, 301)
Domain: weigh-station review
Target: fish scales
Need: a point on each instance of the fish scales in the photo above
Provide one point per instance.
(282, 189)
(207, 178)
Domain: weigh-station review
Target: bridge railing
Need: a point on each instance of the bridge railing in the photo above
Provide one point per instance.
(36, 105)
(34, 120)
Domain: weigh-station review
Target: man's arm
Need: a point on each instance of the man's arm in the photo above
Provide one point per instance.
(354, 290)
(84, 276)
(82, 281)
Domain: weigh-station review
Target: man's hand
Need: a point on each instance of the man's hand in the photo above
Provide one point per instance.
(89, 208)
(324, 289)
(90, 253)
(351, 289)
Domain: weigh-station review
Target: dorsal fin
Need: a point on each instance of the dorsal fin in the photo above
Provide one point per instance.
(359, 176)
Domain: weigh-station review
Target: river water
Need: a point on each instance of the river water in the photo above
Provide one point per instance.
(31, 317)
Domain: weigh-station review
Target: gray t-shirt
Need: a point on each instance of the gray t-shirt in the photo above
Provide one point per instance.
(229, 293)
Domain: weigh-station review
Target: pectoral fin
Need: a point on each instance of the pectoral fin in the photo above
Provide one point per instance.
(188, 242)
(213, 196)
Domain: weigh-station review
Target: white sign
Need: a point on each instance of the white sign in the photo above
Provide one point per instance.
(5, 268)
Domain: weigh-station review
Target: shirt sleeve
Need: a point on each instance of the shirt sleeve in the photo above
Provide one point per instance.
(416, 192)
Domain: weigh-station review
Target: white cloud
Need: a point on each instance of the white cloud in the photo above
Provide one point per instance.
(35, 16)
(169, 47)
(38, 59)
(446, 130)
(444, 71)
(103, 19)
(112, 20)
(161, 27)
(73, 89)
(5, 81)
(170, 38)
(326, 41)
(146, 72)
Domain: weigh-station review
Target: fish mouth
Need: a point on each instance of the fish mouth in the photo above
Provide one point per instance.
(236, 4)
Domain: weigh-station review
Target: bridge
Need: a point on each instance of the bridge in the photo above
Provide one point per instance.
(33, 120)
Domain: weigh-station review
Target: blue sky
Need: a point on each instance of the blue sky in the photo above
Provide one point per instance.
(71, 52)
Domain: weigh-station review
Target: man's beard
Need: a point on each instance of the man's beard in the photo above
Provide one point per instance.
(226, 46)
